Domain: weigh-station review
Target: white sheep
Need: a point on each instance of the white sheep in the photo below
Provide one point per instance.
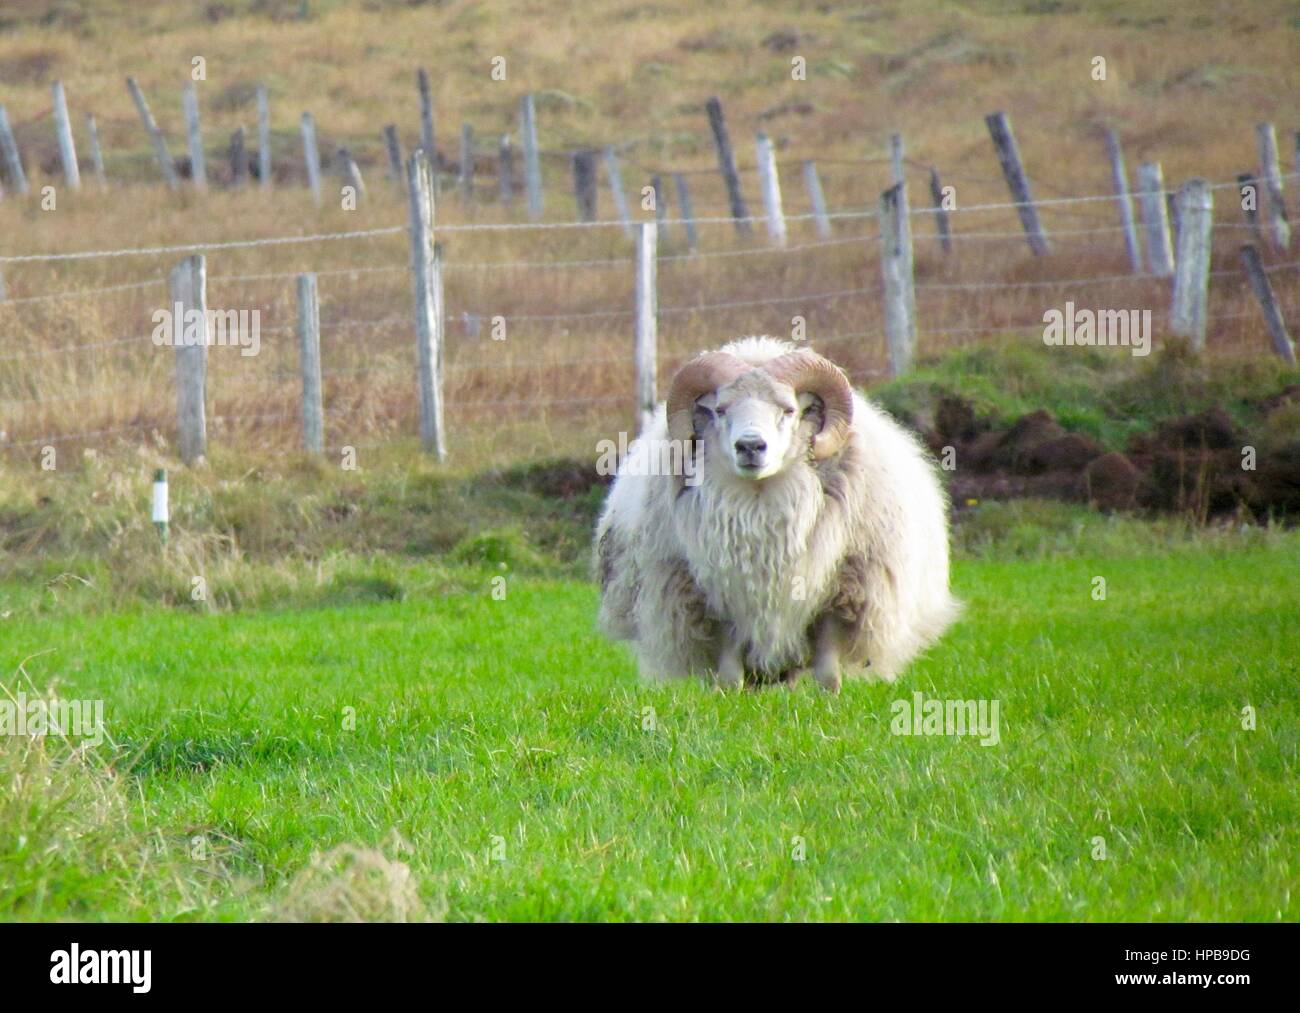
(809, 529)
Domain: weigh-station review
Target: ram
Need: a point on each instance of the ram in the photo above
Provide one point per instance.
(809, 530)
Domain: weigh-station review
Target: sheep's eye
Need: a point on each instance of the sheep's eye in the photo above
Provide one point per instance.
(719, 411)
(787, 412)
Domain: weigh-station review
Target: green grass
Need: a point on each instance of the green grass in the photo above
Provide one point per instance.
(1105, 396)
(489, 729)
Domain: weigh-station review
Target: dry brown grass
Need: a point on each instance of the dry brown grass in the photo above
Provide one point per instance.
(1185, 86)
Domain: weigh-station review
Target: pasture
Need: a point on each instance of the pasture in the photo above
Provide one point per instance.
(420, 755)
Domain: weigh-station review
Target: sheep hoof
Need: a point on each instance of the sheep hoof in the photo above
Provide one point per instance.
(828, 679)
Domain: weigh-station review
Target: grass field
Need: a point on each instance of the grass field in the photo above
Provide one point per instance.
(502, 761)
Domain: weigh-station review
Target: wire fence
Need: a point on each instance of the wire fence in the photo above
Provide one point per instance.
(550, 336)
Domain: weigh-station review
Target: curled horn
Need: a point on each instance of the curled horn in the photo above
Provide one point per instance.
(806, 371)
(702, 375)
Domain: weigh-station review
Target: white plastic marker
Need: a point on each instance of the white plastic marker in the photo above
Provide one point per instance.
(160, 502)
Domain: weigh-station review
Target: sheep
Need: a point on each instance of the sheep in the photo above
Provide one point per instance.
(807, 529)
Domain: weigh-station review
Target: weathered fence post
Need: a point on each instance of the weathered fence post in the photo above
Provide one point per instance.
(1192, 278)
(1151, 199)
(263, 137)
(616, 189)
(644, 354)
(313, 409)
(426, 272)
(812, 182)
(584, 184)
(351, 173)
(96, 152)
(1271, 172)
(770, 181)
(896, 171)
(311, 155)
(532, 159)
(1119, 179)
(505, 171)
(394, 148)
(160, 152)
(427, 139)
(942, 228)
(727, 163)
(63, 128)
(1268, 302)
(1248, 194)
(1014, 171)
(198, 165)
(13, 161)
(686, 211)
(896, 269)
(466, 175)
(238, 158)
(661, 206)
(189, 294)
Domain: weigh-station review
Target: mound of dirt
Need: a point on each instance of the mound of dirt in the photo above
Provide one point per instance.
(1203, 463)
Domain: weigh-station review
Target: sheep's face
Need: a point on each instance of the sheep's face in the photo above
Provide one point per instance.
(753, 424)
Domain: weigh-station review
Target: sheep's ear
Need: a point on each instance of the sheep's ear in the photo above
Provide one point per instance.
(701, 419)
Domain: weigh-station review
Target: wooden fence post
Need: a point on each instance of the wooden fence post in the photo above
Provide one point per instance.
(96, 152)
(616, 189)
(1248, 193)
(63, 129)
(189, 293)
(812, 182)
(661, 206)
(532, 159)
(311, 155)
(426, 271)
(942, 227)
(771, 185)
(1119, 179)
(1151, 199)
(466, 174)
(584, 184)
(427, 139)
(198, 165)
(13, 161)
(238, 158)
(1192, 278)
(394, 148)
(160, 152)
(505, 171)
(896, 171)
(263, 138)
(1271, 172)
(687, 212)
(647, 254)
(313, 410)
(727, 163)
(351, 173)
(1268, 302)
(1014, 171)
(896, 268)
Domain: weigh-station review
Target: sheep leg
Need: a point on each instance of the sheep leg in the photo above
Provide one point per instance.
(826, 654)
(731, 665)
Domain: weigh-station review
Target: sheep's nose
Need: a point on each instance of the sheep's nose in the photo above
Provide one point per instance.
(750, 445)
